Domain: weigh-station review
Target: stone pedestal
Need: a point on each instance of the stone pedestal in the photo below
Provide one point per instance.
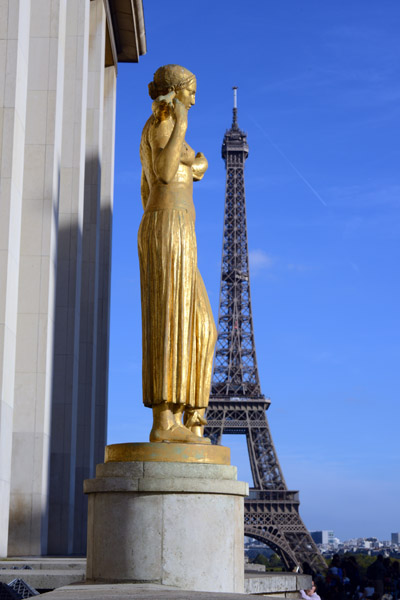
(172, 523)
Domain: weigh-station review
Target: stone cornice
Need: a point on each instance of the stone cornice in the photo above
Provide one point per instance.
(126, 31)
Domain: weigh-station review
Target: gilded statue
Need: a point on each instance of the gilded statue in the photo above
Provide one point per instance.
(178, 328)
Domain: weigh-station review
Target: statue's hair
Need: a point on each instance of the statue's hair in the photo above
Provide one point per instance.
(168, 78)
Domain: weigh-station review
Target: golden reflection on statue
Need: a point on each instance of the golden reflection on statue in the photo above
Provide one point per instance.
(178, 328)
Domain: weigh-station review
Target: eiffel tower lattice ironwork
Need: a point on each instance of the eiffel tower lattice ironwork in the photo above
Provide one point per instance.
(237, 405)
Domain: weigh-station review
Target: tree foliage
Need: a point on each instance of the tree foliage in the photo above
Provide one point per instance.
(273, 563)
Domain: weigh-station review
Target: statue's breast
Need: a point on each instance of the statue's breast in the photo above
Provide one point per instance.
(187, 155)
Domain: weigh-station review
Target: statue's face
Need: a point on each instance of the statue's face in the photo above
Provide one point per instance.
(187, 95)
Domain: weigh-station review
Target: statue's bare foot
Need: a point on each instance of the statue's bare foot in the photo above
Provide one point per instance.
(193, 418)
(176, 433)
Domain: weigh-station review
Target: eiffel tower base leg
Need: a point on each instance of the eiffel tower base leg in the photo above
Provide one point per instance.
(175, 524)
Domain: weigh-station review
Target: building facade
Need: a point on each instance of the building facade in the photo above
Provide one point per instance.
(58, 69)
(323, 537)
(395, 538)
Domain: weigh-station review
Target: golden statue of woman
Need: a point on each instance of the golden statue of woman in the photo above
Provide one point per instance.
(178, 328)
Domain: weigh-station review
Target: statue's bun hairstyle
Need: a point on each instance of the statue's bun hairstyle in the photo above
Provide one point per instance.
(168, 78)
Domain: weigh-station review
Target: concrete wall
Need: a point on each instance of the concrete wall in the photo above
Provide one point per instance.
(57, 104)
(14, 50)
(69, 272)
(38, 246)
(86, 424)
(104, 288)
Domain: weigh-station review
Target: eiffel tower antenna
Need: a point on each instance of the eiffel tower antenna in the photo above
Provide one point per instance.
(234, 122)
(237, 405)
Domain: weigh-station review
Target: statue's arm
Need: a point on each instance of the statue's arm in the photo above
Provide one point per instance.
(167, 145)
(199, 166)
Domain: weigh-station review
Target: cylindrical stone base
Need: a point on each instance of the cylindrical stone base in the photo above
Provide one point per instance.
(174, 524)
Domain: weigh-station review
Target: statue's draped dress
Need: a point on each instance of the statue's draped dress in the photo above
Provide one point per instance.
(178, 328)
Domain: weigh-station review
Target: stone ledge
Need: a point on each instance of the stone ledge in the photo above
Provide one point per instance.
(44, 579)
(130, 591)
(190, 470)
(55, 572)
(120, 469)
(110, 484)
(194, 486)
(139, 470)
(274, 583)
(166, 486)
(42, 563)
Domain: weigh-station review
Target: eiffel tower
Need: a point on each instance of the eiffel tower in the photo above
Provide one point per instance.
(237, 405)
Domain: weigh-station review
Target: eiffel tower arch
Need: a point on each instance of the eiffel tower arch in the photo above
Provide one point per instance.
(237, 405)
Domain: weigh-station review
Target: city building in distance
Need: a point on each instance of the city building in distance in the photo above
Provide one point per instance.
(395, 538)
(328, 545)
(324, 537)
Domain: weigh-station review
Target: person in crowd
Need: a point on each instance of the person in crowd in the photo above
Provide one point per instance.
(311, 593)
(344, 580)
(395, 580)
(377, 573)
(307, 569)
(334, 579)
(367, 590)
(353, 578)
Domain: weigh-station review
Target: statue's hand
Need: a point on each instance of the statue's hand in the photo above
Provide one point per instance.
(201, 162)
(199, 166)
(180, 112)
(162, 106)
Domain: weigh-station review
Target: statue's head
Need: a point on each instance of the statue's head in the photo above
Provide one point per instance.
(171, 78)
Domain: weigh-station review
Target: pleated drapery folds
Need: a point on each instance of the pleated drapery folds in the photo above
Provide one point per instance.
(178, 327)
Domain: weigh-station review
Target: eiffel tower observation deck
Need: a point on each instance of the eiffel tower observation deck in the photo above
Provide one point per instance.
(237, 405)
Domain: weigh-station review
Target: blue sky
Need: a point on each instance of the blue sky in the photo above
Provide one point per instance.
(319, 96)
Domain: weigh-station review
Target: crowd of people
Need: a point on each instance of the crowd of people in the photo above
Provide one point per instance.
(345, 580)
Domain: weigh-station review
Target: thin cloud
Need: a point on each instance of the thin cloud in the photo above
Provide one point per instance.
(291, 83)
(354, 266)
(363, 40)
(383, 226)
(365, 196)
(260, 260)
(299, 267)
(353, 400)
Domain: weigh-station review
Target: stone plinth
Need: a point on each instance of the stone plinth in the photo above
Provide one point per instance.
(274, 584)
(169, 523)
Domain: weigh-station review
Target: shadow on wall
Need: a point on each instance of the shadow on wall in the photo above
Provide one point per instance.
(80, 367)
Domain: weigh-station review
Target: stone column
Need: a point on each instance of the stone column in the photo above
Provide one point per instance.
(90, 269)
(36, 297)
(69, 262)
(106, 213)
(14, 50)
